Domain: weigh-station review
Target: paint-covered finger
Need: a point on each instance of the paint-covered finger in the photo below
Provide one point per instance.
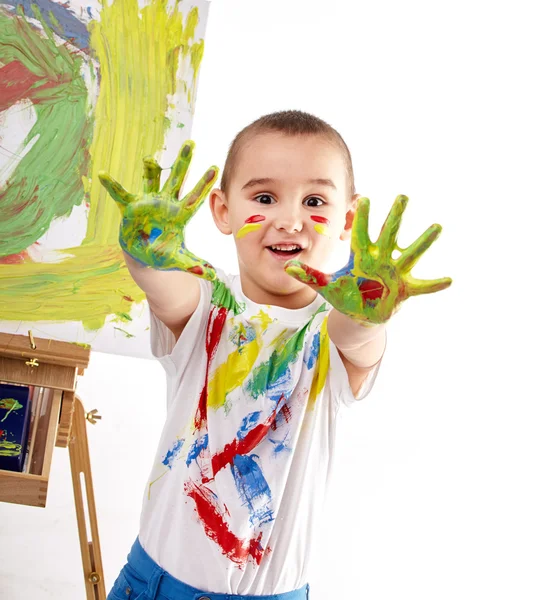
(360, 226)
(197, 266)
(389, 230)
(151, 175)
(195, 198)
(179, 169)
(416, 287)
(302, 272)
(115, 189)
(413, 253)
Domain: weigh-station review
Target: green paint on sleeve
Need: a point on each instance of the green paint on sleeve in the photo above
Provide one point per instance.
(222, 296)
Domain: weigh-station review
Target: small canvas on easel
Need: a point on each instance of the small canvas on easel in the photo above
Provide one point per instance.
(15, 413)
(85, 87)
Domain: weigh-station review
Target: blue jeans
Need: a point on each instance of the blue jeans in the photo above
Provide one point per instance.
(143, 579)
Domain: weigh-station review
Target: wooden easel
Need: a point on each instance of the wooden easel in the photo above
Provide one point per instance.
(55, 365)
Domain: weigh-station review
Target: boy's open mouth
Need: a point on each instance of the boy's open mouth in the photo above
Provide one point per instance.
(285, 250)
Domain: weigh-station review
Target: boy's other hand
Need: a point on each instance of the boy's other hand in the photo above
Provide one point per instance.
(370, 288)
(153, 222)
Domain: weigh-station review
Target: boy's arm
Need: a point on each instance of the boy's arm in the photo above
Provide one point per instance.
(361, 348)
(172, 295)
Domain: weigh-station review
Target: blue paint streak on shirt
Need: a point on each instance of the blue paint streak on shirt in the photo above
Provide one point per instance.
(280, 445)
(283, 386)
(196, 448)
(311, 354)
(247, 424)
(253, 488)
(171, 455)
(71, 28)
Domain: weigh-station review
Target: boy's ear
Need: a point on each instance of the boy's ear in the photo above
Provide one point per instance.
(219, 209)
(345, 235)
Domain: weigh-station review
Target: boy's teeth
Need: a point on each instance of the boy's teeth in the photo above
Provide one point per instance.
(288, 248)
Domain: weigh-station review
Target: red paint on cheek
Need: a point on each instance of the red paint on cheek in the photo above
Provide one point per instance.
(318, 219)
(255, 219)
(371, 290)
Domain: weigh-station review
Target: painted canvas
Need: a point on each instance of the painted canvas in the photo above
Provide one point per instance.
(84, 87)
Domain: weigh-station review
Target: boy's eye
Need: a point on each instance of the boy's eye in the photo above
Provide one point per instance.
(314, 201)
(264, 199)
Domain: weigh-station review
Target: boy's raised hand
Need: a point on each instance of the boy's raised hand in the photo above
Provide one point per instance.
(372, 285)
(153, 223)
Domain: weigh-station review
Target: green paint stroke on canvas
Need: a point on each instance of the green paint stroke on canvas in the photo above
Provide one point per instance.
(45, 184)
(9, 404)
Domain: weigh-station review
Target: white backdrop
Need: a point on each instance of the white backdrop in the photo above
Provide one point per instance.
(441, 487)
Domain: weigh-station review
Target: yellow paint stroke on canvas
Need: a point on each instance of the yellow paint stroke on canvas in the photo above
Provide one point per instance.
(321, 367)
(138, 52)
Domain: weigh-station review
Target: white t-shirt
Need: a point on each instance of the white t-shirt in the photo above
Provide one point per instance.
(237, 489)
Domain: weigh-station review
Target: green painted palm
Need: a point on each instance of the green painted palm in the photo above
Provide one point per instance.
(153, 223)
(372, 285)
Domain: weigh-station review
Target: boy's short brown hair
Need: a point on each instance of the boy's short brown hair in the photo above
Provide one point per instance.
(289, 122)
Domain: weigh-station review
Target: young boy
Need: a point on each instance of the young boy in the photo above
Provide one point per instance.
(257, 364)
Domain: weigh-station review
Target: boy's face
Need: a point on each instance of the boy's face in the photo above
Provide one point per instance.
(288, 197)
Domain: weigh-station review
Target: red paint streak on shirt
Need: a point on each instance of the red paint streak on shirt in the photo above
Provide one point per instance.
(217, 529)
(255, 219)
(285, 411)
(319, 219)
(245, 445)
(217, 318)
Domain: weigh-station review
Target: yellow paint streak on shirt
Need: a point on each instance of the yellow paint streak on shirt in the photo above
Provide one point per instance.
(279, 339)
(248, 228)
(264, 320)
(321, 368)
(232, 373)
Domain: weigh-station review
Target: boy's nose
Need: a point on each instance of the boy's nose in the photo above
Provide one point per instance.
(289, 221)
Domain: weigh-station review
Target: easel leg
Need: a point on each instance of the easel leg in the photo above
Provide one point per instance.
(80, 463)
